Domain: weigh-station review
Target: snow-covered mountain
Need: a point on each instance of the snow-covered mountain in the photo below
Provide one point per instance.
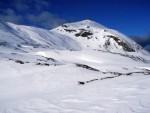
(80, 67)
(79, 35)
(93, 35)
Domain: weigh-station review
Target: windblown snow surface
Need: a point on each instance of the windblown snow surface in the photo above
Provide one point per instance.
(55, 71)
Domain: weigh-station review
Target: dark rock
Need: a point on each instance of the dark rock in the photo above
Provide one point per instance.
(86, 67)
(81, 83)
(19, 61)
(64, 25)
(83, 34)
(42, 64)
(70, 30)
(121, 43)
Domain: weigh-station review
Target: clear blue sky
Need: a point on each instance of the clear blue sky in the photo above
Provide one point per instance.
(131, 17)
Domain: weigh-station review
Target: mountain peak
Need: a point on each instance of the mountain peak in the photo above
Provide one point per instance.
(88, 21)
(93, 35)
(84, 24)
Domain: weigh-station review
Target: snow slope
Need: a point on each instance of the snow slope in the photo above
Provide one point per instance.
(23, 37)
(44, 71)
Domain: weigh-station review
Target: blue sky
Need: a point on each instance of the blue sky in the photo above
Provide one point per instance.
(131, 17)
